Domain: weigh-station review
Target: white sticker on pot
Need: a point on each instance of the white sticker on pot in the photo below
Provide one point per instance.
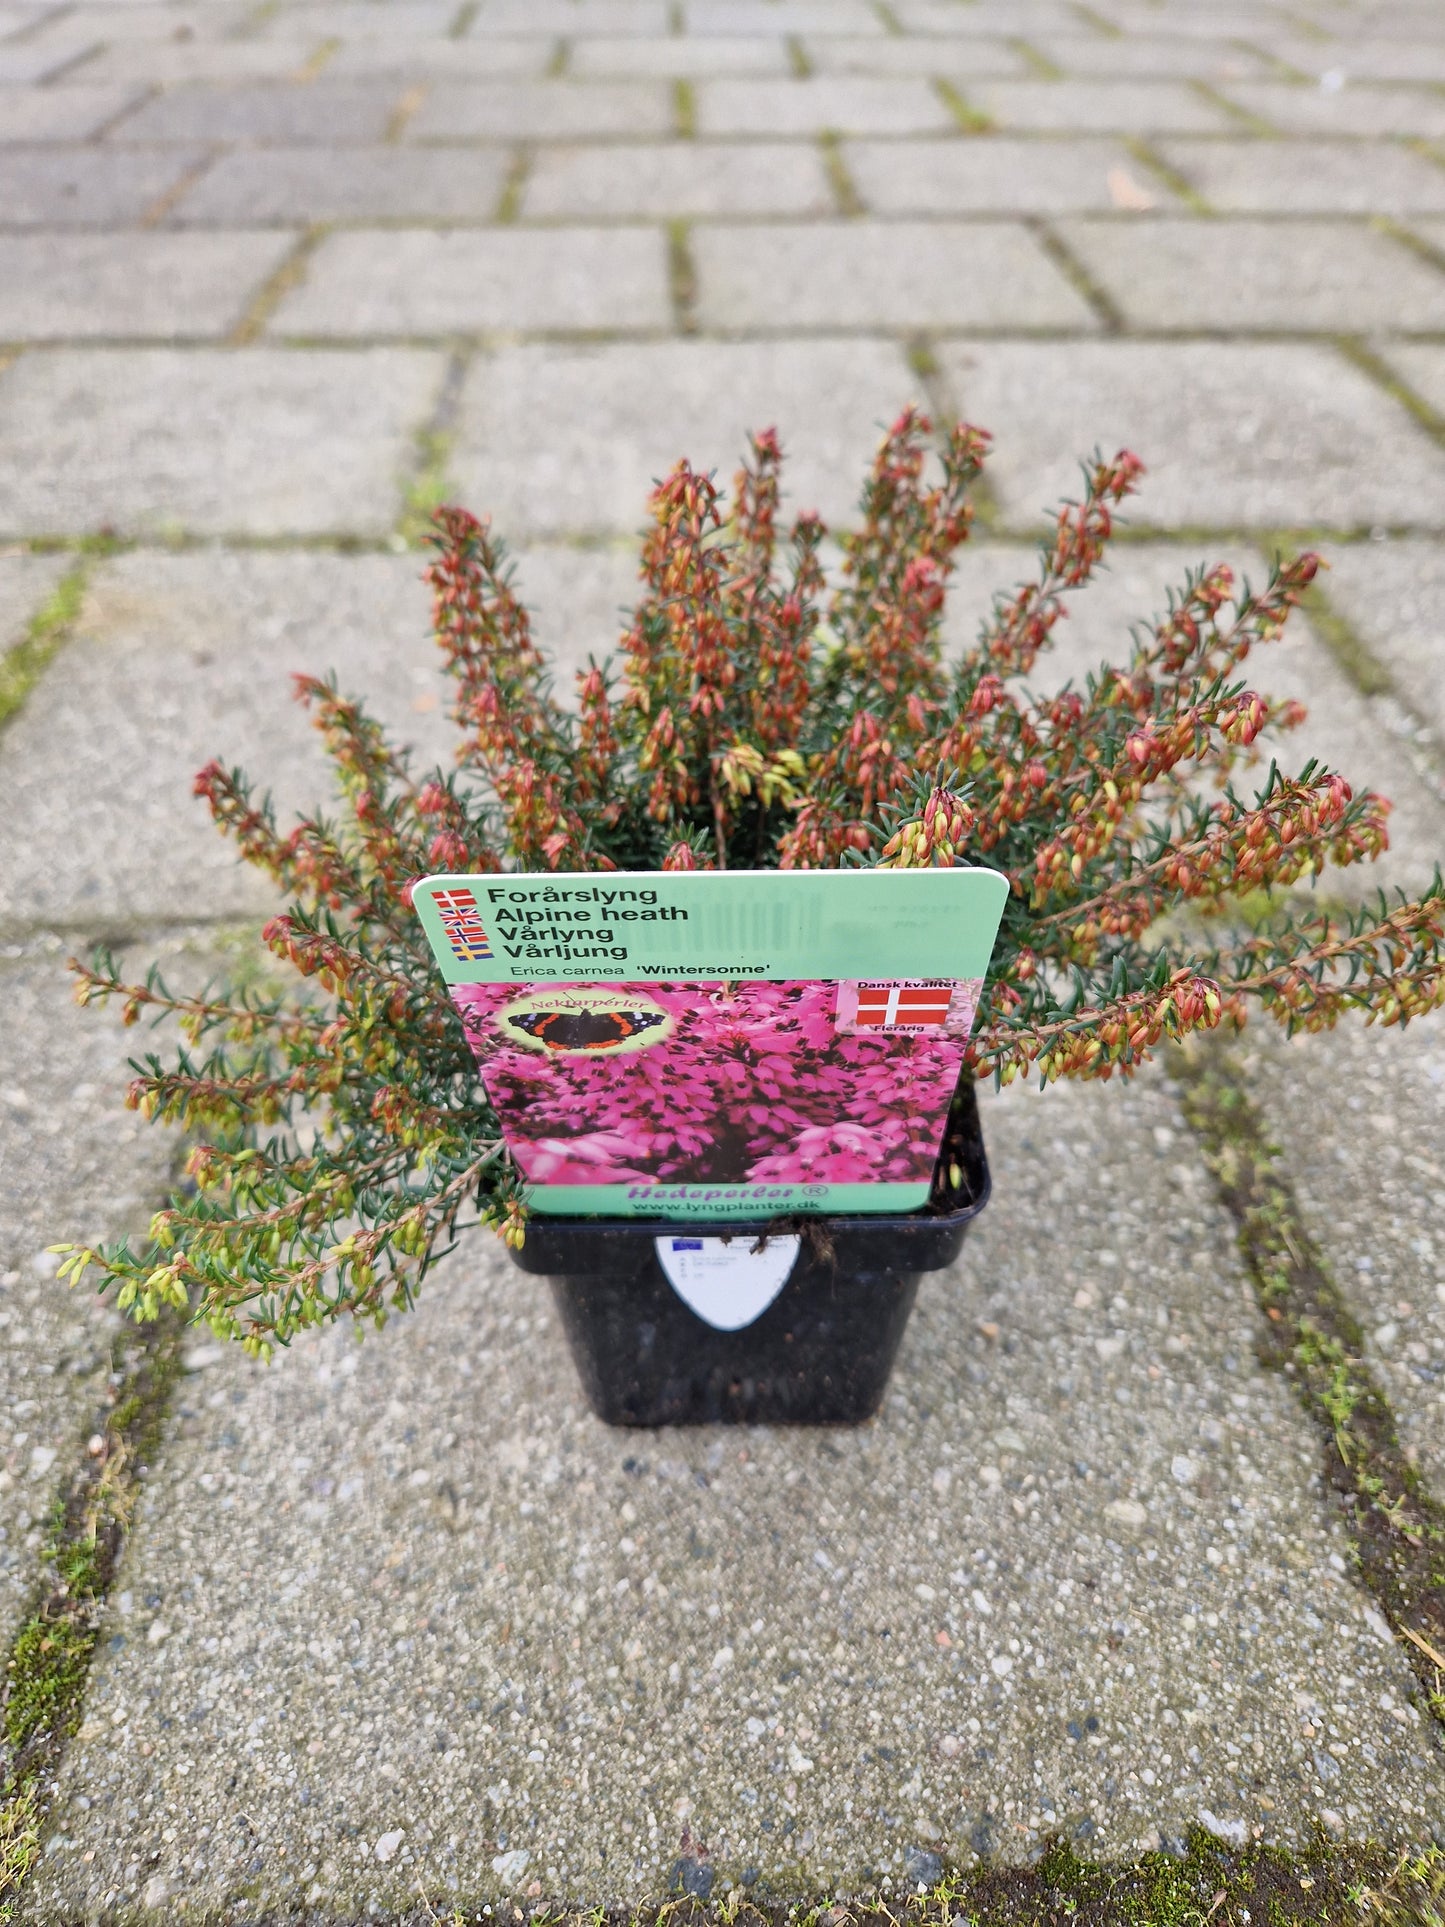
(724, 1280)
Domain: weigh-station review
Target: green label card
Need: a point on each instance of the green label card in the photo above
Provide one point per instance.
(704, 1045)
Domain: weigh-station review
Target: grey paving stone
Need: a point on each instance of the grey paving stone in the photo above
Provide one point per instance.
(1098, 107)
(20, 66)
(542, 110)
(953, 57)
(1113, 1513)
(1359, 737)
(1419, 23)
(578, 598)
(1362, 109)
(1201, 23)
(838, 102)
(251, 442)
(410, 283)
(72, 112)
(58, 287)
(154, 25)
(1237, 435)
(715, 17)
(1152, 58)
(569, 441)
(687, 178)
(875, 275)
(444, 59)
(1357, 1114)
(178, 659)
(1423, 367)
(306, 184)
(1237, 275)
(362, 21)
(1354, 58)
(325, 112)
(644, 18)
(17, 19)
(1307, 176)
(74, 1164)
(1343, 729)
(1024, 17)
(54, 186)
(25, 582)
(1393, 596)
(622, 59)
(176, 64)
(996, 176)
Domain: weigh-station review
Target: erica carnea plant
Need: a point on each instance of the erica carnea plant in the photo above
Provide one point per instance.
(754, 717)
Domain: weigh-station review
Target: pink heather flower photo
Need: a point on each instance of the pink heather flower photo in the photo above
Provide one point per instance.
(731, 1083)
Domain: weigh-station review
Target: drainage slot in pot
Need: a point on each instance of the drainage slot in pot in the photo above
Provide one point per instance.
(724, 1280)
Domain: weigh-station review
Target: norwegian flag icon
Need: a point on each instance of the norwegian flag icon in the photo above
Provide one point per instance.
(889, 1006)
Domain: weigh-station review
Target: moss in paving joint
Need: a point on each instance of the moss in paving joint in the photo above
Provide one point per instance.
(1241, 116)
(430, 484)
(969, 119)
(264, 303)
(1038, 64)
(1369, 363)
(46, 634)
(1368, 674)
(1098, 21)
(461, 22)
(891, 22)
(557, 64)
(312, 67)
(923, 360)
(132, 107)
(1423, 250)
(429, 487)
(402, 113)
(1396, 1528)
(1170, 176)
(1278, 68)
(684, 110)
(1412, 729)
(799, 64)
(1078, 276)
(845, 193)
(1202, 1884)
(1307, 29)
(43, 1690)
(509, 202)
(160, 208)
(681, 278)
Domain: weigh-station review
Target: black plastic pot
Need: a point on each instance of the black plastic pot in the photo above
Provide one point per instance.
(821, 1352)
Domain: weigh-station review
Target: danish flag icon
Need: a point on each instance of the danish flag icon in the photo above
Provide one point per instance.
(887, 1006)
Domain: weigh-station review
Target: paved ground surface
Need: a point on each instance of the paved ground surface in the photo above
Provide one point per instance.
(272, 275)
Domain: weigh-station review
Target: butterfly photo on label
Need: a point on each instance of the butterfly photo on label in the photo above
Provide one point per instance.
(589, 1030)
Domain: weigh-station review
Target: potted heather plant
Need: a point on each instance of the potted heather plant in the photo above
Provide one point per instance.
(759, 722)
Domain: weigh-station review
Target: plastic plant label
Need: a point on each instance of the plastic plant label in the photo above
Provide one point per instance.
(724, 1280)
(742, 1044)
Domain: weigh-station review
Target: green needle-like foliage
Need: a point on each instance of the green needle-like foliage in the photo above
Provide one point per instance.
(754, 719)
